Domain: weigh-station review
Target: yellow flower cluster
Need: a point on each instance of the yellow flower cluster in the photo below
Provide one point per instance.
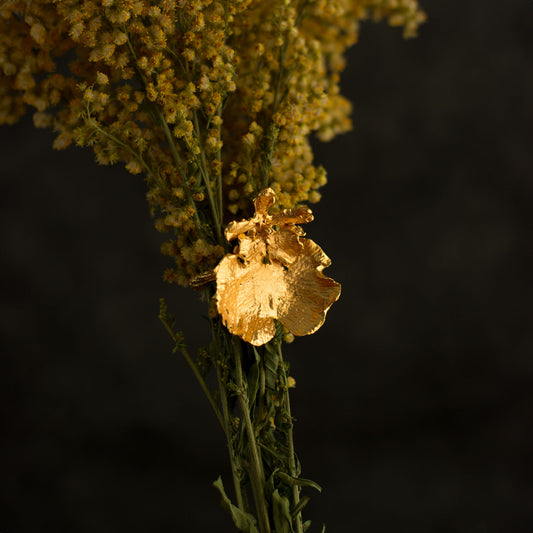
(212, 100)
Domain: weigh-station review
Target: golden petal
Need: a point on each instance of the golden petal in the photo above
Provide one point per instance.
(311, 292)
(264, 201)
(237, 228)
(248, 296)
(302, 215)
(284, 246)
(251, 249)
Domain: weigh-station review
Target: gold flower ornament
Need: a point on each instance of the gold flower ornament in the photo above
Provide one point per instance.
(274, 274)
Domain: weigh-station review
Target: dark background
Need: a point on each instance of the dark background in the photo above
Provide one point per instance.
(414, 402)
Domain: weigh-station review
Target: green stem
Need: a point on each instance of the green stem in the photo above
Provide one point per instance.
(219, 177)
(170, 141)
(179, 164)
(281, 81)
(216, 211)
(290, 444)
(257, 475)
(93, 123)
(205, 175)
(231, 450)
(196, 372)
(227, 415)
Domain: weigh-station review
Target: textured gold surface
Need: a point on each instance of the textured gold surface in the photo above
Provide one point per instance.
(273, 274)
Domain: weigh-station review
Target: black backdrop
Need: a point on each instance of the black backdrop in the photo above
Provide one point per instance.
(414, 402)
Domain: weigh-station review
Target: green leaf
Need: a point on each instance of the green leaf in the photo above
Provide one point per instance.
(323, 528)
(277, 452)
(265, 418)
(290, 480)
(307, 525)
(271, 362)
(243, 521)
(301, 504)
(282, 513)
(261, 371)
(253, 383)
(278, 337)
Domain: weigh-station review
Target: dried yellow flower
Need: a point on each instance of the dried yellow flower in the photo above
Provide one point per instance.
(213, 98)
(274, 274)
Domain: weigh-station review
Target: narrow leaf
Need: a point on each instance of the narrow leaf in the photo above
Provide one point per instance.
(243, 521)
(301, 504)
(259, 361)
(253, 383)
(282, 513)
(271, 362)
(290, 480)
(273, 453)
(306, 525)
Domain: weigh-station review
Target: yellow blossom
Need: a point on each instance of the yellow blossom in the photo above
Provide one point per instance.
(217, 110)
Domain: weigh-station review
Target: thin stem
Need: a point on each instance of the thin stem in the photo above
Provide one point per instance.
(219, 177)
(257, 475)
(290, 444)
(231, 450)
(170, 141)
(227, 416)
(205, 175)
(202, 165)
(180, 165)
(196, 372)
(93, 123)
(281, 81)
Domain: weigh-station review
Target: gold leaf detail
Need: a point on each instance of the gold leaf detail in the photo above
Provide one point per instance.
(274, 274)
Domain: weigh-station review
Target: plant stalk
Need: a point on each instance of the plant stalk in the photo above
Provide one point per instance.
(290, 444)
(257, 475)
(231, 450)
(196, 372)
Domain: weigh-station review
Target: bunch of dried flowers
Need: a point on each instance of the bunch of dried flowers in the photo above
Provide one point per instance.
(213, 101)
